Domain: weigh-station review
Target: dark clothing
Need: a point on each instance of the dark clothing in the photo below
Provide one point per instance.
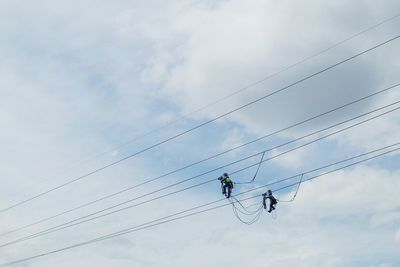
(272, 202)
(224, 191)
(227, 186)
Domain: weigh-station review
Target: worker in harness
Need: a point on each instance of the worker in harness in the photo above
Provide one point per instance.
(272, 201)
(226, 185)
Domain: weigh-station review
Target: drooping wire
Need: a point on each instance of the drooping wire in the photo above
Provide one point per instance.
(255, 175)
(199, 125)
(273, 212)
(255, 215)
(185, 116)
(80, 221)
(67, 225)
(297, 190)
(250, 221)
(242, 209)
(203, 160)
(179, 216)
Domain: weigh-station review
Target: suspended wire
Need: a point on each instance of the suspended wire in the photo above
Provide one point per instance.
(255, 215)
(241, 208)
(369, 28)
(250, 221)
(201, 125)
(185, 116)
(297, 190)
(178, 190)
(177, 216)
(77, 222)
(255, 175)
(69, 223)
(252, 190)
(212, 180)
(273, 211)
(203, 160)
(256, 83)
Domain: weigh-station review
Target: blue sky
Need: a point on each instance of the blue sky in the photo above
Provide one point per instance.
(80, 81)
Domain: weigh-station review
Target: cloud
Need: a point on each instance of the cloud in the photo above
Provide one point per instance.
(232, 45)
(380, 132)
(79, 78)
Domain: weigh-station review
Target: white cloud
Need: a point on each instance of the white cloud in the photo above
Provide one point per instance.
(81, 77)
(232, 45)
(293, 160)
(377, 133)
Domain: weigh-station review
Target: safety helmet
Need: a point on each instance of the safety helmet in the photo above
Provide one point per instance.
(225, 174)
(269, 192)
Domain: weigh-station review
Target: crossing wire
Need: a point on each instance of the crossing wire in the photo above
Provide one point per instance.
(68, 224)
(203, 160)
(291, 66)
(79, 220)
(201, 125)
(177, 216)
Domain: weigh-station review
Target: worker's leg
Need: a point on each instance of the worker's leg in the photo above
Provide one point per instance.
(271, 207)
(229, 192)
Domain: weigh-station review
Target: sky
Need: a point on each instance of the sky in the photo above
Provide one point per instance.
(86, 83)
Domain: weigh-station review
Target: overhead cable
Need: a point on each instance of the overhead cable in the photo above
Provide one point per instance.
(199, 125)
(215, 169)
(178, 216)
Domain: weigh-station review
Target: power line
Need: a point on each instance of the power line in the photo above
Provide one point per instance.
(212, 180)
(262, 80)
(245, 168)
(203, 160)
(224, 166)
(291, 66)
(79, 220)
(285, 179)
(295, 193)
(202, 124)
(173, 217)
